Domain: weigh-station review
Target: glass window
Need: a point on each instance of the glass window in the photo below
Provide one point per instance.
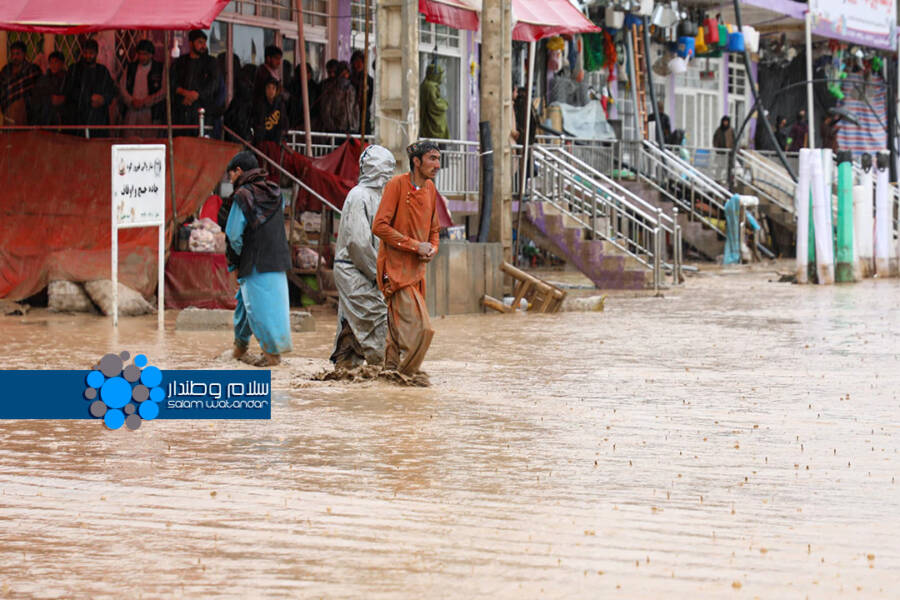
(358, 16)
(315, 12)
(441, 35)
(315, 56)
(289, 47)
(218, 38)
(449, 87)
(250, 43)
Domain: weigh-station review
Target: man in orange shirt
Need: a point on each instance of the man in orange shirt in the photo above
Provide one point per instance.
(407, 224)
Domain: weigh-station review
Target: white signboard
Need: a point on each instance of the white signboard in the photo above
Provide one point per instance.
(139, 184)
(865, 22)
(138, 200)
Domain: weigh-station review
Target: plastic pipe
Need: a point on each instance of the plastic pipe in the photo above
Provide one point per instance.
(801, 208)
(882, 216)
(843, 269)
(822, 220)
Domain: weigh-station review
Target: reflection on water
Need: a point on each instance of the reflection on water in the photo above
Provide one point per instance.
(735, 437)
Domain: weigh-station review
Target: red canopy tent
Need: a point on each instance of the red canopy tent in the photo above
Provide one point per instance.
(80, 16)
(534, 19)
(538, 19)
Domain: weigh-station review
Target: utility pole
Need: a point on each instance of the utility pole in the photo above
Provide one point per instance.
(496, 107)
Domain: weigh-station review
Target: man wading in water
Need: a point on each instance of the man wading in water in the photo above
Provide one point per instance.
(253, 220)
(407, 224)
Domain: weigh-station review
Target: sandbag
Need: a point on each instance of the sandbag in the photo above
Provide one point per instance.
(67, 296)
(131, 303)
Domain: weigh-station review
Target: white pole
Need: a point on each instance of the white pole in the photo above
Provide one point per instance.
(801, 204)
(115, 267)
(161, 279)
(809, 84)
(525, 146)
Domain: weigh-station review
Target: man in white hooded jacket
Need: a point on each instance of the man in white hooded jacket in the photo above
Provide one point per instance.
(362, 313)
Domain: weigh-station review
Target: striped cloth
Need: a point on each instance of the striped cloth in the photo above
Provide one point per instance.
(870, 134)
(15, 86)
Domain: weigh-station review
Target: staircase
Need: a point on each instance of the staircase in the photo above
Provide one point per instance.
(705, 240)
(768, 181)
(614, 237)
(598, 259)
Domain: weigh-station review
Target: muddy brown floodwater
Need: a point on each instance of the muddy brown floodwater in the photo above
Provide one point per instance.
(736, 438)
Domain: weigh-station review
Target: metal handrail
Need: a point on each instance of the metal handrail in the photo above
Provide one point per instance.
(664, 155)
(559, 194)
(644, 207)
(460, 167)
(281, 169)
(677, 175)
(631, 229)
(755, 164)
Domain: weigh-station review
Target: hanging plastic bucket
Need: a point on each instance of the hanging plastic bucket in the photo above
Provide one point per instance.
(751, 38)
(700, 42)
(614, 19)
(687, 29)
(736, 42)
(712, 31)
(723, 35)
(686, 47)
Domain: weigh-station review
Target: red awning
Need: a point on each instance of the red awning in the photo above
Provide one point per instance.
(79, 16)
(459, 14)
(538, 19)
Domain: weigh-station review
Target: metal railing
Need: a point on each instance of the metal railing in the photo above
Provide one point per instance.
(605, 211)
(712, 162)
(600, 155)
(767, 179)
(322, 143)
(294, 179)
(686, 187)
(460, 171)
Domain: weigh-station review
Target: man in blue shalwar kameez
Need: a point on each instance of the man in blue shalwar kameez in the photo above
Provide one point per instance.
(258, 248)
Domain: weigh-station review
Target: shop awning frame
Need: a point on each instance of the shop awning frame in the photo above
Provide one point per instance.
(83, 16)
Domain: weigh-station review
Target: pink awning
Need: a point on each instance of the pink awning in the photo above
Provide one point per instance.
(538, 19)
(459, 14)
(80, 16)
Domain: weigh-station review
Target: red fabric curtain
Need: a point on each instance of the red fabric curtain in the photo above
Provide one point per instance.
(452, 13)
(538, 19)
(55, 209)
(80, 16)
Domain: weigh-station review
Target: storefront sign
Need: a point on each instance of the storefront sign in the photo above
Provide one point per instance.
(865, 22)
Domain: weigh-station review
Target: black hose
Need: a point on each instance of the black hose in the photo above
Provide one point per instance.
(659, 133)
(764, 117)
(487, 180)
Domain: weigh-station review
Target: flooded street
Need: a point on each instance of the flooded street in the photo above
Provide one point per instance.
(738, 437)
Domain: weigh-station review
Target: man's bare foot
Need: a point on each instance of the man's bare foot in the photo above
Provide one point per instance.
(239, 351)
(270, 360)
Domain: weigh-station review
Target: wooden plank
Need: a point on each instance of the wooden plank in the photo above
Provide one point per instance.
(491, 302)
(523, 288)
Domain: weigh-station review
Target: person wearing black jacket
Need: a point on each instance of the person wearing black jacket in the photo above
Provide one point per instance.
(143, 90)
(195, 81)
(89, 90)
(270, 119)
(257, 247)
(50, 92)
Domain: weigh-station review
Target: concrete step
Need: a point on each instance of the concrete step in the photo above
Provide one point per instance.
(697, 234)
(601, 261)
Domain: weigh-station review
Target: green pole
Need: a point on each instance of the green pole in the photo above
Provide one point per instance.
(844, 254)
(813, 275)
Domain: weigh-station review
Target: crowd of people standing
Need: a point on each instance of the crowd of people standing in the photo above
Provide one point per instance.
(266, 99)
